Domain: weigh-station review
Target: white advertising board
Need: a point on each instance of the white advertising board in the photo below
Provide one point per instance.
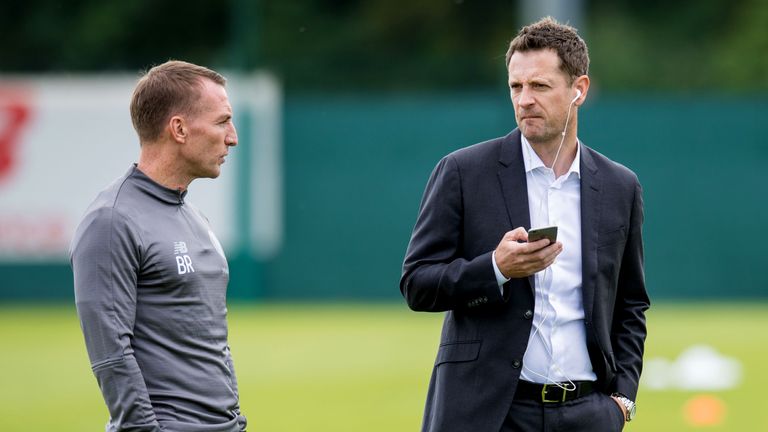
(63, 139)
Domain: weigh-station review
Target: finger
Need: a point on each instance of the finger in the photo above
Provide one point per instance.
(548, 254)
(549, 260)
(537, 245)
(543, 264)
(553, 255)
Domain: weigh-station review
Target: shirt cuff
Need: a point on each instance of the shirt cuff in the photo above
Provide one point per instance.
(500, 279)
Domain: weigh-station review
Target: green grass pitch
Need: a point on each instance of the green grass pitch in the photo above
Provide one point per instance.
(352, 367)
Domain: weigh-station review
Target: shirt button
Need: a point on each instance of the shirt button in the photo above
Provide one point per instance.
(516, 364)
(528, 314)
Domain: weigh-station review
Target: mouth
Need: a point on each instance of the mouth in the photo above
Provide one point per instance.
(529, 117)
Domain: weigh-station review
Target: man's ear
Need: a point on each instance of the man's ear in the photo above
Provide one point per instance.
(582, 84)
(178, 129)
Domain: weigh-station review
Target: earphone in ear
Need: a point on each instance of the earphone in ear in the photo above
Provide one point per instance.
(578, 95)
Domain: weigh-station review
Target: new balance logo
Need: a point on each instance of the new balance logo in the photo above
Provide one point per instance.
(183, 261)
(179, 248)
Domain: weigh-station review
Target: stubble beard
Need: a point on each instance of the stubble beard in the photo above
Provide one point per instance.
(545, 136)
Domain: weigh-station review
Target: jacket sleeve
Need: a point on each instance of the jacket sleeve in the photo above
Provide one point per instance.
(628, 330)
(105, 262)
(436, 275)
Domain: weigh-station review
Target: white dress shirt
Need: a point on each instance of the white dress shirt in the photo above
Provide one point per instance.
(557, 348)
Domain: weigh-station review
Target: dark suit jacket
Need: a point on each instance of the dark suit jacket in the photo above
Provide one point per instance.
(473, 197)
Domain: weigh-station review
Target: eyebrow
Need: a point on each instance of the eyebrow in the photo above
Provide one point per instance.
(534, 80)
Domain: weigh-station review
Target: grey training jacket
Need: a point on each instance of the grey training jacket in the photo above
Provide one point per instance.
(150, 288)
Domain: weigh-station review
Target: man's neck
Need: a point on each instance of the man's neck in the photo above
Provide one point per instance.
(162, 167)
(549, 150)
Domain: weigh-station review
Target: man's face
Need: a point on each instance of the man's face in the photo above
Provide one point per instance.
(540, 94)
(211, 132)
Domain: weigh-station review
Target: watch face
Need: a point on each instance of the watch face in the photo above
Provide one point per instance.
(631, 412)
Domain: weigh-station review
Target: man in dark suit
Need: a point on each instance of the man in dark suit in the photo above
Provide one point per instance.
(537, 335)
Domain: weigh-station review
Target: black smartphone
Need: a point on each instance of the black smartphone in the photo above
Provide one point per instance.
(540, 233)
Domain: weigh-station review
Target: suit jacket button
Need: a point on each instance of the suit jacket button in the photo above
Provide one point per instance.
(516, 363)
(528, 314)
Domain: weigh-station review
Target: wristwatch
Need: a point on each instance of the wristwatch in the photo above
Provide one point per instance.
(628, 404)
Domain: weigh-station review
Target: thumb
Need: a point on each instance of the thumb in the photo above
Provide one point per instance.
(517, 234)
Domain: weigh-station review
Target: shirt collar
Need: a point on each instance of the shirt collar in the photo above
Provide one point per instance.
(532, 160)
(154, 189)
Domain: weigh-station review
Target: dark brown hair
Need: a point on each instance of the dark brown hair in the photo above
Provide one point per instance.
(547, 33)
(166, 90)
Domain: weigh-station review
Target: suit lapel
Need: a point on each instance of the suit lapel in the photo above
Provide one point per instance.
(590, 220)
(514, 186)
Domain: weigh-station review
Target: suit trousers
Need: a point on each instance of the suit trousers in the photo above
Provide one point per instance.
(595, 412)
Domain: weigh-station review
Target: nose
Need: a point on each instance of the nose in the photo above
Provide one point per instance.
(524, 98)
(231, 138)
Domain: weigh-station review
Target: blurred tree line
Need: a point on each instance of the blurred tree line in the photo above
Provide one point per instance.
(688, 45)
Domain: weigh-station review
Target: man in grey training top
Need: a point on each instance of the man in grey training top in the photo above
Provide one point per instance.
(150, 275)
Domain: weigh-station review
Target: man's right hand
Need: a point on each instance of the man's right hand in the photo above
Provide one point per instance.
(518, 260)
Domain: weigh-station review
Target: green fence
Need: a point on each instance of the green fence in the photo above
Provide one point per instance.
(355, 167)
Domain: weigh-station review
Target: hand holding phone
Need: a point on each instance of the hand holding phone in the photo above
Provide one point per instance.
(517, 259)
